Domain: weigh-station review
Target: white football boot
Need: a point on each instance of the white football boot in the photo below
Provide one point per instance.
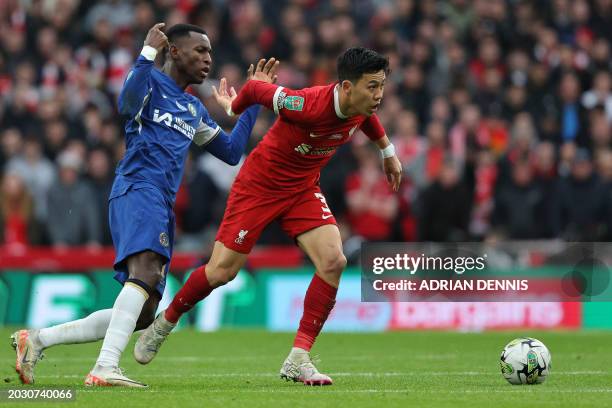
(298, 366)
(110, 376)
(151, 339)
(29, 352)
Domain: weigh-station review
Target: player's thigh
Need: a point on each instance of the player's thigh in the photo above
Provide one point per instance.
(224, 264)
(246, 215)
(142, 226)
(311, 223)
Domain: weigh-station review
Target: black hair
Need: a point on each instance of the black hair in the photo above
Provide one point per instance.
(183, 30)
(356, 61)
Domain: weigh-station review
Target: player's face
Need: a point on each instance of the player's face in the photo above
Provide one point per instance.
(193, 57)
(367, 93)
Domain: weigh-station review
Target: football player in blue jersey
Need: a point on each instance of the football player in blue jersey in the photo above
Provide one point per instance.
(162, 121)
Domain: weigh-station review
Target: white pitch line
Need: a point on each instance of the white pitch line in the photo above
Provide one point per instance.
(332, 374)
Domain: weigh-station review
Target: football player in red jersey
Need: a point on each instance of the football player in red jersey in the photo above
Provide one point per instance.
(280, 181)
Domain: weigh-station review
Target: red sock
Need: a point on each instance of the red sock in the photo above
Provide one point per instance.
(318, 303)
(195, 289)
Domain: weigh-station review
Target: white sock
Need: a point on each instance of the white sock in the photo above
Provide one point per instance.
(85, 330)
(126, 310)
(299, 355)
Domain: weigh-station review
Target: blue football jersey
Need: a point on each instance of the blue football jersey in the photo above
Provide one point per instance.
(162, 121)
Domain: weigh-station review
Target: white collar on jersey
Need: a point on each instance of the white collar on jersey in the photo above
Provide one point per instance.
(337, 104)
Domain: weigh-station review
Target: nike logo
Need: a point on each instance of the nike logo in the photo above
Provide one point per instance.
(181, 107)
(327, 216)
(314, 135)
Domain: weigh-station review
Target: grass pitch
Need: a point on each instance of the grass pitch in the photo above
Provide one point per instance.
(401, 369)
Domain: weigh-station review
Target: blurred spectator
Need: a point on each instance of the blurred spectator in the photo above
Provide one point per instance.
(517, 204)
(37, 172)
(600, 131)
(571, 113)
(444, 207)
(73, 212)
(18, 228)
(100, 174)
(468, 134)
(580, 202)
(485, 177)
(372, 205)
(600, 94)
(546, 177)
(426, 166)
(524, 138)
(11, 142)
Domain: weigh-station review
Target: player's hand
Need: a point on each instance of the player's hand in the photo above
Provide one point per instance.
(393, 170)
(156, 38)
(264, 71)
(223, 97)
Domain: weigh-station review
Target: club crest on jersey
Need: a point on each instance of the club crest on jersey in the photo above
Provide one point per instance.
(294, 103)
(241, 235)
(164, 240)
(192, 109)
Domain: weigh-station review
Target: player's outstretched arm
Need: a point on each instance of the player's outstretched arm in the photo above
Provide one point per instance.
(230, 148)
(136, 86)
(259, 88)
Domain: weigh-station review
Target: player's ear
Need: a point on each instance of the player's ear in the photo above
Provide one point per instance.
(346, 86)
(173, 51)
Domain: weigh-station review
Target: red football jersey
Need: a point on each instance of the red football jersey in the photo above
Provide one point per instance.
(308, 130)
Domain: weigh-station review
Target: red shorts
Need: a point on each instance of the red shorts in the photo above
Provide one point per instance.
(248, 213)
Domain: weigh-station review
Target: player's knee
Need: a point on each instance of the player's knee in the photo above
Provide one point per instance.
(220, 275)
(333, 265)
(147, 267)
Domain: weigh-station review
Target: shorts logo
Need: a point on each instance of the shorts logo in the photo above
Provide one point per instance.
(294, 103)
(241, 235)
(163, 240)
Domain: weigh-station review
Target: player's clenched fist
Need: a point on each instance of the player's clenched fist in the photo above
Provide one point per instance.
(156, 38)
(265, 70)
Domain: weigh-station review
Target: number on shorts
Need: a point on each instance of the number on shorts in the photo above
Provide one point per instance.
(326, 211)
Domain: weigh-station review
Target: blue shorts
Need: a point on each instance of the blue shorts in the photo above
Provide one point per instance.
(140, 220)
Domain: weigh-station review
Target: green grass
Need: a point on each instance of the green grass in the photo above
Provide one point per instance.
(402, 369)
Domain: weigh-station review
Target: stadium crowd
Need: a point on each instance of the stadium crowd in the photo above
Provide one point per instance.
(500, 110)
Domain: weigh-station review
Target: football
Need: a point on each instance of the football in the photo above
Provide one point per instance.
(525, 361)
